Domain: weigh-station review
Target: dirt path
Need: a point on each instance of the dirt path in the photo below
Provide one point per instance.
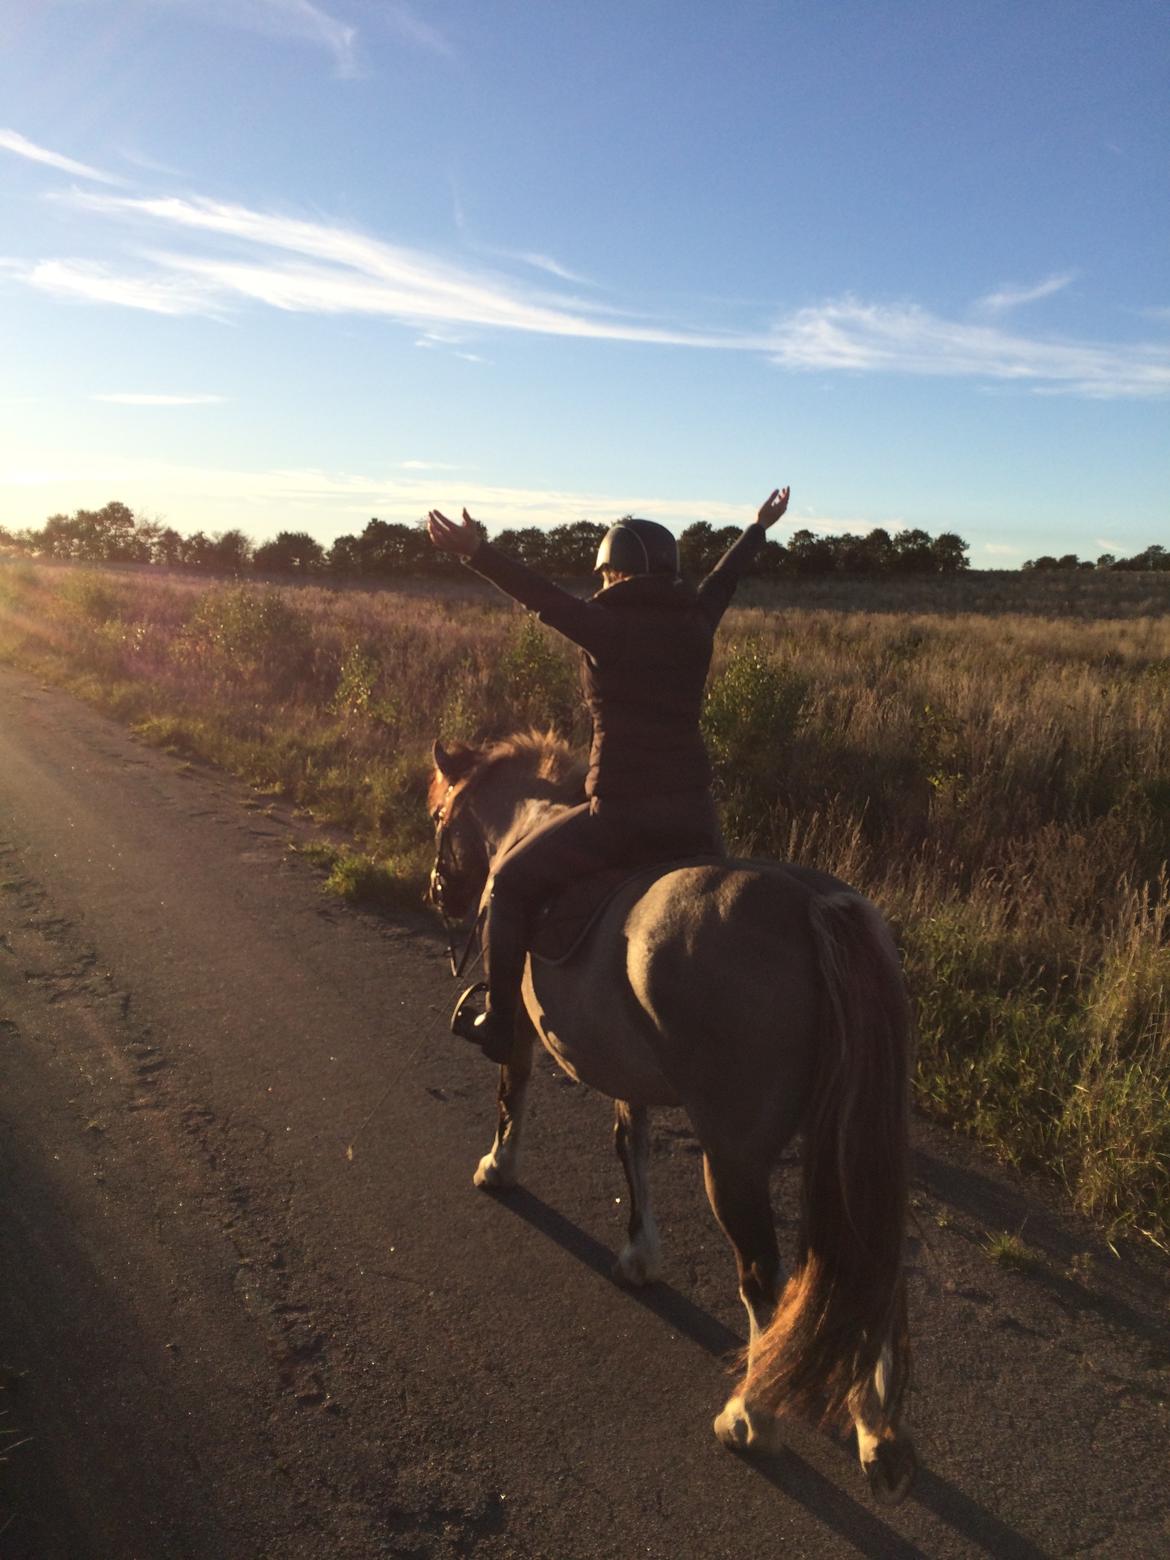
(225, 1338)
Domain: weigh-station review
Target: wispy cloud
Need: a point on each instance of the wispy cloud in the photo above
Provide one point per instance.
(148, 398)
(553, 268)
(406, 22)
(88, 281)
(340, 271)
(903, 339)
(298, 21)
(1002, 549)
(1012, 297)
(13, 141)
(224, 255)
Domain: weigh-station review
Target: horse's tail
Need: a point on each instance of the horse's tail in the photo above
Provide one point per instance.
(845, 1301)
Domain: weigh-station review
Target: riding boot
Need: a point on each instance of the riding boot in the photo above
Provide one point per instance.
(505, 949)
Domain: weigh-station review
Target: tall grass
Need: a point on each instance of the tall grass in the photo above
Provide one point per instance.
(997, 779)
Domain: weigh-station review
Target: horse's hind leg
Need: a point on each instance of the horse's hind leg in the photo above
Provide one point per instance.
(740, 1201)
(497, 1170)
(638, 1262)
(886, 1451)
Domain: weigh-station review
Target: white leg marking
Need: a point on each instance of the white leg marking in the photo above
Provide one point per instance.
(742, 1431)
(497, 1170)
(888, 1460)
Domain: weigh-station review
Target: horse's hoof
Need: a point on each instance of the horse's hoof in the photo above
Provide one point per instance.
(637, 1267)
(891, 1471)
(492, 1176)
(739, 1432)
(732, 1427)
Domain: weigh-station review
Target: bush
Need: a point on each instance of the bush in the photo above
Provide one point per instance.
(536, 681)
(247, 634)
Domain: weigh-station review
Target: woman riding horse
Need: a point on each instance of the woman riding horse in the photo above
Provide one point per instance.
(646, 639)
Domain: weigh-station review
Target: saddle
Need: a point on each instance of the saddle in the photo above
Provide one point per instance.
(562, 925)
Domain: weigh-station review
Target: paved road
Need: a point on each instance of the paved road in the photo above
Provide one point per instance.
(228, 1338)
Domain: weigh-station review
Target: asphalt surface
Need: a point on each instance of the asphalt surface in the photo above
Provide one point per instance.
(252, 1306)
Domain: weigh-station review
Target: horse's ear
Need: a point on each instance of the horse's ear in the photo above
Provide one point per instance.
(454, 762)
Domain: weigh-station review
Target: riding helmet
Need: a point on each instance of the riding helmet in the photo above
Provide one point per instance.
(638, 547)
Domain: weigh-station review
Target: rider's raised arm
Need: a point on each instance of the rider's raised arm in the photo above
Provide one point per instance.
(580, 621)
(716, 591)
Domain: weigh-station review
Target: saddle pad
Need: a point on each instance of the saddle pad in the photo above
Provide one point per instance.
(562, 925)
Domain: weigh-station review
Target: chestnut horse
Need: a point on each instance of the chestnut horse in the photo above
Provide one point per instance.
(766, 1000)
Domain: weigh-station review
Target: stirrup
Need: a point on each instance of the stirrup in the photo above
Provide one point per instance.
(482, 1029)
(465, 1014)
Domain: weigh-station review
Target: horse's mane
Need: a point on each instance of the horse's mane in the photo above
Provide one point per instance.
(541, 754)
(531, 755)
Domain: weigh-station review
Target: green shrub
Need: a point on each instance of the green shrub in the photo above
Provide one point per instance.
(536, 682)
(752, 711)
(248, 633)
(360, 693)
(90, 596)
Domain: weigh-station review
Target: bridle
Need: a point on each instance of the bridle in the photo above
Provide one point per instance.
(443, 875)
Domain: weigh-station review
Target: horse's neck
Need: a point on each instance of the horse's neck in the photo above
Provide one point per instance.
(530, 813)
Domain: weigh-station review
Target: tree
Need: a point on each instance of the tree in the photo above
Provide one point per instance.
(195, 551)
(701, 546)
(913, 553)
(879, 550)
(571, 550)
(388, 547)
(1155, 557)
(529, 545)
(950, 553)
(772, 559)
(696, 548)
(344, 557)
(292, 552)
(810, 555)
(231, 551)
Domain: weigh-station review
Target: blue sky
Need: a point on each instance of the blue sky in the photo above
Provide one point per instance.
(281, 264)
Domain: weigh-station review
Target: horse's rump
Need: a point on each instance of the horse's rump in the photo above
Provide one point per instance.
(563, 924)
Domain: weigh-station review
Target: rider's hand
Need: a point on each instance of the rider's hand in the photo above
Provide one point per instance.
(772, 507)
(453, 536)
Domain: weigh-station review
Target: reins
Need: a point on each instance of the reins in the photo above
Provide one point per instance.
(458, 961)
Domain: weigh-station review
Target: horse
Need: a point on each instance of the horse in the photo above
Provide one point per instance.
(766, 999)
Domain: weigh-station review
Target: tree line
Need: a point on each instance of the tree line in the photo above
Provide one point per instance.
(386, 548)
(1155, 557)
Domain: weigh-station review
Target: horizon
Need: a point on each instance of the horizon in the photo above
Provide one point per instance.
(287, 266)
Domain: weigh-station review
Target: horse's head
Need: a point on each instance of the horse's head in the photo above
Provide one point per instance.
(461, 850)
(480, 798)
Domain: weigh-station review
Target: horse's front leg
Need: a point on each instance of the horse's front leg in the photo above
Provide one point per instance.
(640, 1258)
(498, 1170)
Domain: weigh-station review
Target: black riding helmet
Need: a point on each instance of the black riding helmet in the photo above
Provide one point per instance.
(638, 547)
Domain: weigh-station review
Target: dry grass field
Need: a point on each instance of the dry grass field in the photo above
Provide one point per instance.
(987, 757)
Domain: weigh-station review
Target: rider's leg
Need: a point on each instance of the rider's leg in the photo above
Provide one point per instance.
(597, 834)
(505, 948)
(571, 845)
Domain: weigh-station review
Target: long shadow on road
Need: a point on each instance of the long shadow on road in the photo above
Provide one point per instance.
(789, 1473)
(1136, 1300)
